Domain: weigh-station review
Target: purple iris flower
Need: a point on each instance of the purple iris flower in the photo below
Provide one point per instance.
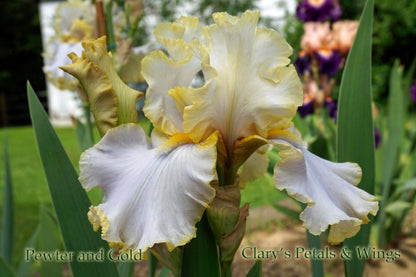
(332, 109)
(318, 10)
(306, 109)
(336, 13)
(328, 60)
(302, 63)
(413, 92)
(377, 137)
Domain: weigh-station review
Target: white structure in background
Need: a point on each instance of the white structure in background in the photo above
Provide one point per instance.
(63, 103)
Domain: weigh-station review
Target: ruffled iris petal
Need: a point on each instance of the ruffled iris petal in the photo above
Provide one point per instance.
(98, 87)
(328, 188)
(163, 74)
(151, 195)
(182, 41)
(249, 88)
(96, 52)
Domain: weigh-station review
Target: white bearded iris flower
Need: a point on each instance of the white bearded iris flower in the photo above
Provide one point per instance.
(74, 21)
(157, 189)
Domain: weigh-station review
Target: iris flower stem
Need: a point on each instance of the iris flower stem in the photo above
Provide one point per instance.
(110, 30)
(227, 177)
(101, 24)
(225, 269)
(87, 112)
(133, 28)
(226, 173)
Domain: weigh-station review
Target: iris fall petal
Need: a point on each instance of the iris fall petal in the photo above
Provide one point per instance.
(328, 188)
(150, 196)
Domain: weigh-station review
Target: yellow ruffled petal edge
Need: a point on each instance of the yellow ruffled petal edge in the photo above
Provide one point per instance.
(180, 35)
(98, 161)
(96, 52)
(180, 140)
(160, 107)
(96, 84)
(328, 188)
(98, 219)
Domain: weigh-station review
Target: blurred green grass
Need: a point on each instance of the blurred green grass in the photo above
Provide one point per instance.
(31, 190)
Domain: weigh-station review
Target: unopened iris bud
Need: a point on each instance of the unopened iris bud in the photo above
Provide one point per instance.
(224, 210)
(227, 220)
(231, 241)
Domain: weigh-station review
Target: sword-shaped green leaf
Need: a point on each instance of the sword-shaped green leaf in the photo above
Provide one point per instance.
(153, 263)
(24, 268)
(200, 256)
(70, 201)
(5, 269)
(256, 270)
(7, 222)
(395, 122)
(126, 269)
(84, 140)
(48, 242)
(355, 141)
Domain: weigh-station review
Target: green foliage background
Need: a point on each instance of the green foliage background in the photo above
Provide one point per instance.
(394, 34)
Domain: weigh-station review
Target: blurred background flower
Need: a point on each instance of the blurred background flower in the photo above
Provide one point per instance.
(318, 10)
(413, 92)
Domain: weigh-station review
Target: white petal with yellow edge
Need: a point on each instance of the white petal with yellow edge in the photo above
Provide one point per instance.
(162, 74)
(173, 36)
(328, 188)
(249, 87)
(151, 195)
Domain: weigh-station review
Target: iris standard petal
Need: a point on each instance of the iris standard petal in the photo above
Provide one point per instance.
(171, 35)
(151, 195)
(328, 188)
(249, 89)
(163, 74)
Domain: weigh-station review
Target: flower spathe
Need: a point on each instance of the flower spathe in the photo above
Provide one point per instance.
(157, 189)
